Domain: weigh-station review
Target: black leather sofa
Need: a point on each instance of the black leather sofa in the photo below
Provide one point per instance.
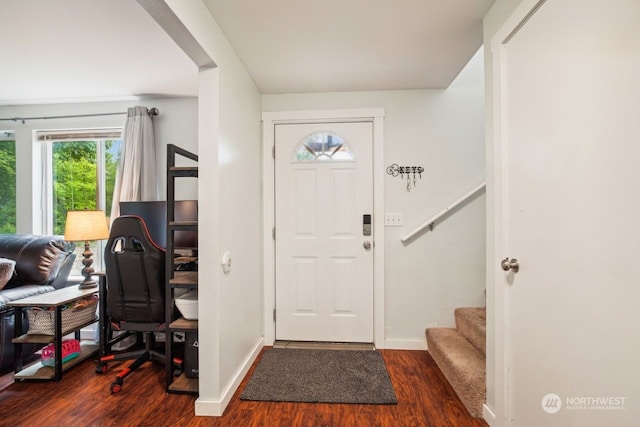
(42, 265)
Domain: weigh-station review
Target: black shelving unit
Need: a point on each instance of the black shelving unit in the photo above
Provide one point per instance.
(178, 279)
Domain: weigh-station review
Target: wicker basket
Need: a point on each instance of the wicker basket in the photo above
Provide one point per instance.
(42, 320)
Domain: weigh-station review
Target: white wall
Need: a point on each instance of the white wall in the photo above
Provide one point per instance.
(443, 131)
(177, 124)
(493, 21)
(230, 305)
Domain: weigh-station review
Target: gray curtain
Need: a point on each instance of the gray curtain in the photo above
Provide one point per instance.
(136, 179)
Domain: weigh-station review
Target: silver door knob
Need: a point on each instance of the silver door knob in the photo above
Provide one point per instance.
(510, 264)
(367, 245)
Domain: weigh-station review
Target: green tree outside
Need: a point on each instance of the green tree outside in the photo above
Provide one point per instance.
(7, 187)
(75, 178)
(112, 157)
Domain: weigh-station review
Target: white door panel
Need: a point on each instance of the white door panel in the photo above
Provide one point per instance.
(570, 146)
(324, 275)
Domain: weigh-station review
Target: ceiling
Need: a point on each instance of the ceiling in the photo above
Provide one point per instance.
(87, 50)
(350, 45)
(79, 50)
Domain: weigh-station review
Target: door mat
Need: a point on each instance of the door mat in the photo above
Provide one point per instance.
(320, 376)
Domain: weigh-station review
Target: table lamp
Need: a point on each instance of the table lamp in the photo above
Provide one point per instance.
(84, 226)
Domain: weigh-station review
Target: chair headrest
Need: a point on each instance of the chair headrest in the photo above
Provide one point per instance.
(132, 226)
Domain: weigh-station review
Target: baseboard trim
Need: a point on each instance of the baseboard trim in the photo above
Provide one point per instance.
(488, 415)
(215, 408)
(396, 344)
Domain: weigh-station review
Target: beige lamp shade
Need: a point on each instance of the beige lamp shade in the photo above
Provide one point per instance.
(86, 225)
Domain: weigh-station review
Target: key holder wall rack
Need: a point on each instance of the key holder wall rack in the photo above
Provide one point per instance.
(410, 173)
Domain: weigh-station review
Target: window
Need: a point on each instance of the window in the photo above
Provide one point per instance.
(323, 146)
(7, 182)
(81, 168)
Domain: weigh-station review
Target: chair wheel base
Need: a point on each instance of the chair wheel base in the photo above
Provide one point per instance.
(115, 388)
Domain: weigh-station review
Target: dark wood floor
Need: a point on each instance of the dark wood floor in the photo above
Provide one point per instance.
(82, 398)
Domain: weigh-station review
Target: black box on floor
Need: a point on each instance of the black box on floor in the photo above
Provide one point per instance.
(191, 354)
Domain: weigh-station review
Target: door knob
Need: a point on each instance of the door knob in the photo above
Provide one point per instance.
(512, 264)
(367, 245)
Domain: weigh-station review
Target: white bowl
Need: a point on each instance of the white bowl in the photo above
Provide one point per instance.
(188, 305)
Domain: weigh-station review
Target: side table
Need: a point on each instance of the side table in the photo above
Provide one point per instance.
(56, 300)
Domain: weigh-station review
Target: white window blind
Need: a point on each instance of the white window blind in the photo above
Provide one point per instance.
(78, 134)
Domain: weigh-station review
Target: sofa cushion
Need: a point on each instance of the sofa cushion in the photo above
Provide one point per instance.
(38, 258)
(7, 267)
(8, 295)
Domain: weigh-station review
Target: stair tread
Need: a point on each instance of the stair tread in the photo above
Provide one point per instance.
(459, 350)
(462, 364)
(471, 322)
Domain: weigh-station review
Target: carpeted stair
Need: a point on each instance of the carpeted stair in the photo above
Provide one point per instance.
(460, 354)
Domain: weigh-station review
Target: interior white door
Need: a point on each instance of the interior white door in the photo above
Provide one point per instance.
(570, 205)
(324, 260)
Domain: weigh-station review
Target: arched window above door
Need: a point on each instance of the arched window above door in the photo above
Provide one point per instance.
(323, 146)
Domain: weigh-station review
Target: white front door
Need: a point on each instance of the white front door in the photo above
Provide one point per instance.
(570, 205)
(324, 257)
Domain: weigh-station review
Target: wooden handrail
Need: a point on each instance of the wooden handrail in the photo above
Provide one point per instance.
(430, 222)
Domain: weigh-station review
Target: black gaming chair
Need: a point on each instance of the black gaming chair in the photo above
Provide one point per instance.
(135, 293)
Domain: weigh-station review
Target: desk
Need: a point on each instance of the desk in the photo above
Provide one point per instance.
(56, 299)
